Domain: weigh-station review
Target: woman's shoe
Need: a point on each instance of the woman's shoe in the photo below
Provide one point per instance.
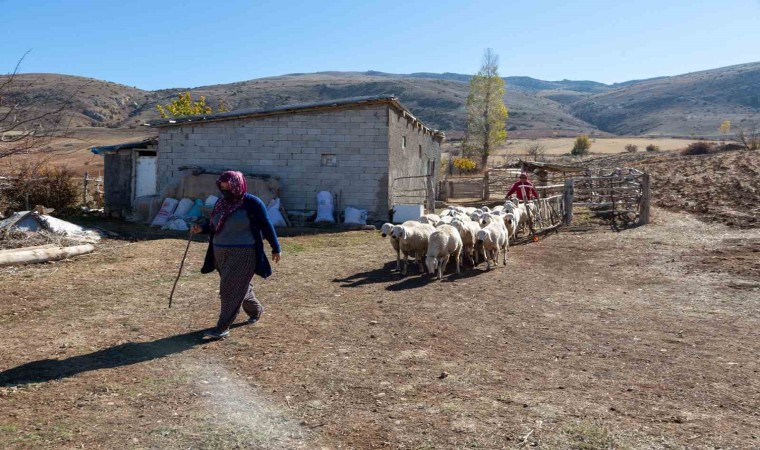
(216, 334)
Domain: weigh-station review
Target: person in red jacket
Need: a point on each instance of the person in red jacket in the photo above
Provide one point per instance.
(517, 188)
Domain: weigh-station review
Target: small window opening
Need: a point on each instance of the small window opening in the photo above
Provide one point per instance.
(329, 160)
(420, 150)
(403, 142)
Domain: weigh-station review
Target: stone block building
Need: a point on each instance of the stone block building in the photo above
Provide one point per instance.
(370, 150)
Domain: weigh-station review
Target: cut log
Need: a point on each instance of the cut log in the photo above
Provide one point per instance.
(35, 247)
(44, 254)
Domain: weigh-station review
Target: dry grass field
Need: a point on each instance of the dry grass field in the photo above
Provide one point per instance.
(515, 149)
(73, 151)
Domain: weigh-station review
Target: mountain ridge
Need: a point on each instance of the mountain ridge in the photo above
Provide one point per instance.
(689, 104)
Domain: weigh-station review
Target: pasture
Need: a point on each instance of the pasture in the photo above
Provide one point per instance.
(589, 338)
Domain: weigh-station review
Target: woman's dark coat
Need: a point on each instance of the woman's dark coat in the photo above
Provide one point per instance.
(260, 225)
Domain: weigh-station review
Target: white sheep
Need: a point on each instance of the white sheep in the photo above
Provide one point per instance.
(445, 220)
(385, 230)
(413, 240)
(511, 224)
(494, 240)
(444, 243)
(518, 213)
(429, 219)
(468, 231)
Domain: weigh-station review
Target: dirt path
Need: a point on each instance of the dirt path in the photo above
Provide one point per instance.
(646, 338)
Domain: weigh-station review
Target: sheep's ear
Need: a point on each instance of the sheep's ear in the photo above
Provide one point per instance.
(404, 234)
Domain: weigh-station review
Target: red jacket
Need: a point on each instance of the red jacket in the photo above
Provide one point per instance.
(530, 191)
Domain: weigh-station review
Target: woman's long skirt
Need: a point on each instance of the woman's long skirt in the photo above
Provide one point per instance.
(236, 267)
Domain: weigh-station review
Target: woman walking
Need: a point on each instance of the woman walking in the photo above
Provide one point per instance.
(239, 224)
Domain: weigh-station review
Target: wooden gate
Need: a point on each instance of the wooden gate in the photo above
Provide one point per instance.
(462, 188)
(622, 195)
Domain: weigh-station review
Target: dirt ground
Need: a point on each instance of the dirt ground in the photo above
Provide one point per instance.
(590, 338)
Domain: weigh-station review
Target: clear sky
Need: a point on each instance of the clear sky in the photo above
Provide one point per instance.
(188, 43)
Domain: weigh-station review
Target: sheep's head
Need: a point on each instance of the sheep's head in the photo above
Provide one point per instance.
(482, 235)
(386, 229)
(397, 232)
(432, 264)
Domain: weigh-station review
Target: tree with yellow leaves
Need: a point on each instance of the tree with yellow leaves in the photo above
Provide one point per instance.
(486, 112)
(185, 106)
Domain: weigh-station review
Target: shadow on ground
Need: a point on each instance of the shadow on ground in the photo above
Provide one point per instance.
(117, 356)
(413, 280)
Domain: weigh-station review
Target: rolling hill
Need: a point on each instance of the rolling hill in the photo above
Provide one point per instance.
(684, 105)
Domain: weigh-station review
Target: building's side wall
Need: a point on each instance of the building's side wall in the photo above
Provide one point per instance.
(421, 153)
(117, 182)
(291, 147)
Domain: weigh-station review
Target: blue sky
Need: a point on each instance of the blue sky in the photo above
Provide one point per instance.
(157, 44)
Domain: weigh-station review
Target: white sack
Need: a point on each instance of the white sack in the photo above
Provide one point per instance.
(211, 201)
(166, 211)
(324, 207)
(273, 208)
(184, 207)
(355, 215)
(176, 225)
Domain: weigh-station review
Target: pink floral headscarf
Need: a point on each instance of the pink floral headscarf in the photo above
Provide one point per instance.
(238, 187)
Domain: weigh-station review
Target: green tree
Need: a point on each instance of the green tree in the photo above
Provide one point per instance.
(486, 113)
(581, 146)
(185, 106)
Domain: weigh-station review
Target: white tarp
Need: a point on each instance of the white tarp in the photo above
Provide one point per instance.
(30, 221)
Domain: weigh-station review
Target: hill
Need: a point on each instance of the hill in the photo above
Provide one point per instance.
(690, 104)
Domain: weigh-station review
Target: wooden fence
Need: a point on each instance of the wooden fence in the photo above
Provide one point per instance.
(620, 195)
(414, 190)
(623, 195)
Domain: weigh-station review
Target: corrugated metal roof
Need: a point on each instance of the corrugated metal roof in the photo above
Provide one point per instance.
(289, 109)
(126, 145)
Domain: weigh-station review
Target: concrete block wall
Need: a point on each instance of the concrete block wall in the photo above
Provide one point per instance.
(421, 149)
(291, 147)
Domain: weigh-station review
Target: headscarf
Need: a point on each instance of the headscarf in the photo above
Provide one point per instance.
(225, 207)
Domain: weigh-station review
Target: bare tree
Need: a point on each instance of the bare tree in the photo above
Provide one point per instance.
(749, 137)
(24, 130)
(536, 150)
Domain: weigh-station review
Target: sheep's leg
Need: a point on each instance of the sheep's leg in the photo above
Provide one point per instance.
(421, 263)
(406, 262)
(398, 260)
(458, 260)
(505, 249)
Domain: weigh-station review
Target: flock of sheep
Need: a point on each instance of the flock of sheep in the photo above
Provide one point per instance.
(457, 232)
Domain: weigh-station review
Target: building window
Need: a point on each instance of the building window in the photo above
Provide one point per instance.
(329, 160)
(403, 142)
(420, 150)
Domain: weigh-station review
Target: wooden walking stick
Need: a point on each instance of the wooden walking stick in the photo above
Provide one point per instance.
(182, 264)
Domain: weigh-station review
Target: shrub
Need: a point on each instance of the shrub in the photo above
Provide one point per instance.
(698, 148)
(631, 148)
(581, 146)
(653, 148)
(50, 186)
(465, 164)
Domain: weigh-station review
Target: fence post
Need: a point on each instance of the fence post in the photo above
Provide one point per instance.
(430, 194)
(645, 200)
(486, 187)
(84, 191)
(568, 201)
